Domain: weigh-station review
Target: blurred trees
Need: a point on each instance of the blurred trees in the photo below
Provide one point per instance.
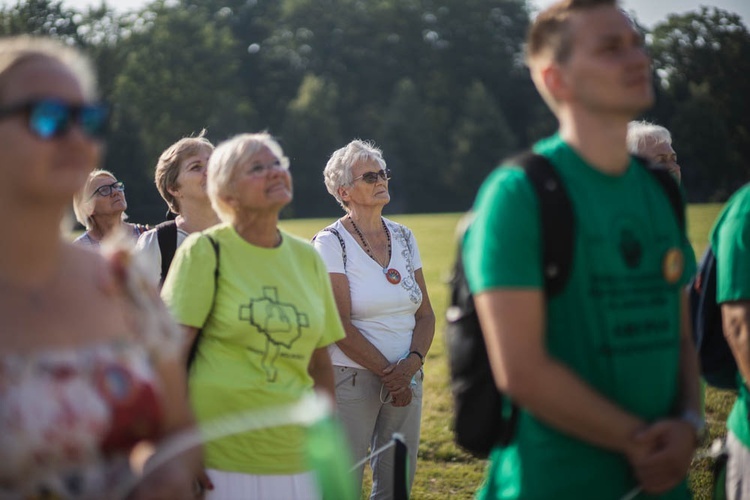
(438, 84)
(703, 66)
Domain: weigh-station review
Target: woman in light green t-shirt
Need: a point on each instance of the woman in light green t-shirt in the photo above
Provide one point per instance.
(265, 321)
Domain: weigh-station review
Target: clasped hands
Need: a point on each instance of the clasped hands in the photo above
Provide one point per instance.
(396, 378)
(660, 454)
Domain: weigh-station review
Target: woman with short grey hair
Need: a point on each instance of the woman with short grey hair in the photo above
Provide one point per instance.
(338, 171)
(376, 272)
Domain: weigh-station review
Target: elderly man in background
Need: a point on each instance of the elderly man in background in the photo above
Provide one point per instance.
(654, 143)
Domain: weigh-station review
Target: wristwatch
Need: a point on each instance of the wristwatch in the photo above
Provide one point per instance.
(697, 423)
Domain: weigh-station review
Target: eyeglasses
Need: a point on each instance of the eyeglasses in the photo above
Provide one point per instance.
(107, 189)
(258, 169)
(372, 177)
(49, 118)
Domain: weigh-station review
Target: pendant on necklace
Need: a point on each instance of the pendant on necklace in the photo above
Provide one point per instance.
(393, 276)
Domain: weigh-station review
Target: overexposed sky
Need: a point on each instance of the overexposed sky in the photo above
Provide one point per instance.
(648, 12)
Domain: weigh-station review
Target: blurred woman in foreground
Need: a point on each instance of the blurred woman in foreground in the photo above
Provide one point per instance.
(89, 362)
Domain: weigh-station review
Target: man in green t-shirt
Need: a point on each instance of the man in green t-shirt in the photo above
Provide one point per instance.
(605, 372)
(729, 238)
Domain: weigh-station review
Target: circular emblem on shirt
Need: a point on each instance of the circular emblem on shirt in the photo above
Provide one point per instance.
(393, 276)
(672, 265)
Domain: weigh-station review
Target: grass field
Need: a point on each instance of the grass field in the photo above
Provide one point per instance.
(443, 470)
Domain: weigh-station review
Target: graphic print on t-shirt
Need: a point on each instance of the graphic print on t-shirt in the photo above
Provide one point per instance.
(629, 290)
(409, 283)
(280, 323)
(630, 248)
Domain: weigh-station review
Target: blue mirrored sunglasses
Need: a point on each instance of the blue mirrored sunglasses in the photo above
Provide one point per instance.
(48, 118)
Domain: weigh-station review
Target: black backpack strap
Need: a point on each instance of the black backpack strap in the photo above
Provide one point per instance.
(670, 187)
(196, 340)
(166, 235)
(217, 251)
(334, 231)
(557, 219)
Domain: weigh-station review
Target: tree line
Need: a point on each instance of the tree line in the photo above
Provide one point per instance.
(439, 85)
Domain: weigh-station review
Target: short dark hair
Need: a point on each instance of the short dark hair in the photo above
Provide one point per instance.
(550, 31)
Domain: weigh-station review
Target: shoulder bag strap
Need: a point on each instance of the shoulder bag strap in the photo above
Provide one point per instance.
(196, 340)
(166, 235)
(557, 220)
(331, 229)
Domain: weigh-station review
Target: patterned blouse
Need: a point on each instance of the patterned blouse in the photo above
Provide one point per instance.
(69, 418)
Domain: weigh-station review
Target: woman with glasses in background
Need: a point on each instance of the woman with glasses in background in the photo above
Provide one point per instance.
(89, 356)
(377, 279)
(257, 304)
(100, 207)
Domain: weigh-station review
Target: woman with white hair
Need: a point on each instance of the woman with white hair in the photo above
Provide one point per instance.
(181, 178)
(377, 278)
(100, 207)
(263, 305)
(89, 357)
(654, 143)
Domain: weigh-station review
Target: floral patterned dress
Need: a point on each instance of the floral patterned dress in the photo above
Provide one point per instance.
(69, 418)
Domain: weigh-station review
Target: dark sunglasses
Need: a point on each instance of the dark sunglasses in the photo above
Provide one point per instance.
(372, 177)
(107, 189)
(48, 118)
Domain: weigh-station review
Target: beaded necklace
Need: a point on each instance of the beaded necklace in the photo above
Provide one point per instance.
(391, 274)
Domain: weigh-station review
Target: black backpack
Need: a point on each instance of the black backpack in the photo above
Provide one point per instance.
(718, 366)
(166, 235)
(479, 419)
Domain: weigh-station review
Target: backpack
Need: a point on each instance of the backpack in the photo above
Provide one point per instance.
(481, 417)
(166, 235)
(718, 365)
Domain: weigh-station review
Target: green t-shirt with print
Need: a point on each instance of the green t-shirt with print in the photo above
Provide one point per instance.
(273, 308)
(730, 240)
(616, 324)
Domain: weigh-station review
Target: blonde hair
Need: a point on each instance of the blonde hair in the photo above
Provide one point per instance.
(168, 166)
(224, 162)
(17, 50)
(83, 203)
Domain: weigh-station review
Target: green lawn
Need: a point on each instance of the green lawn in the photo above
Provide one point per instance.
(443, 470)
